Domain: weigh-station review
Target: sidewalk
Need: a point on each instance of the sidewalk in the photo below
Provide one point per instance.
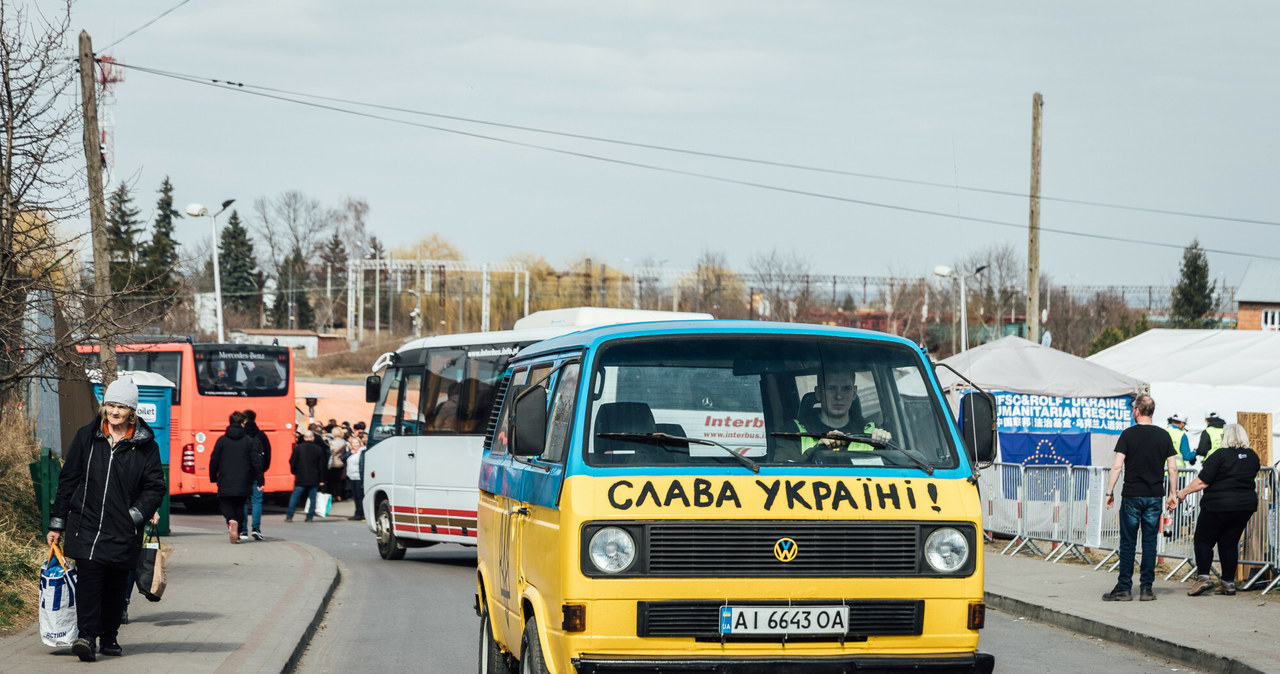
(1210, 633)
(228, 608)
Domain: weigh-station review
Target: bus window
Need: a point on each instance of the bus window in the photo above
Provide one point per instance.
(241, 370)
(411, 414)
(383, 424)
(461, 383)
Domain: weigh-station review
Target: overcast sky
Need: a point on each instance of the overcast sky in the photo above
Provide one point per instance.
(1170, 106)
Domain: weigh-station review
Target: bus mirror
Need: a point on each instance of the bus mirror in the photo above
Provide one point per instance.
(372, 388)
(530, 418)
(978, 426)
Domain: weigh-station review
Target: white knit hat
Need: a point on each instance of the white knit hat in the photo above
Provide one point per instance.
(122, 392)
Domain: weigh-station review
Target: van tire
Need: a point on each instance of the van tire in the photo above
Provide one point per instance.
(492, 659)
(531, 658)
(389, 546)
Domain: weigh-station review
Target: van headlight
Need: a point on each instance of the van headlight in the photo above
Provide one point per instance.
(612, 550)
(946, 550)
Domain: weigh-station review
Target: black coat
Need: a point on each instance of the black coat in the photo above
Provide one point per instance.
(309, 463)
(263, 443)
(105, 495)
(236, 463)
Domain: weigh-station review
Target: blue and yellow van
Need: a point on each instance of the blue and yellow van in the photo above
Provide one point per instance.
(730, 496)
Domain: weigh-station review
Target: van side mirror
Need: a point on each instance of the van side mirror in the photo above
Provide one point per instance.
(978, 426)
(530, 419)
(372, 388)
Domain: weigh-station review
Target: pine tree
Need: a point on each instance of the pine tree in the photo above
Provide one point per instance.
(1193, 296)
(123, 227)
(159, 257)
(238, 265)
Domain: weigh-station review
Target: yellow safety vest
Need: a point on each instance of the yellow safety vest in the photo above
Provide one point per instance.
(1177, 434)
(807, 444)
(1215, 439)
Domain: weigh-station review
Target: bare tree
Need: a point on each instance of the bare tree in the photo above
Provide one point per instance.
(717, 289)
(779, 277)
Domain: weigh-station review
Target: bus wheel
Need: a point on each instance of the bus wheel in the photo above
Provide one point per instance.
(492, 659)
(388, 545)
(531, 660)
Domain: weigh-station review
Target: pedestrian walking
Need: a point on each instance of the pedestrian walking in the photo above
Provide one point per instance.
(254, 507)
(355, 476)
(1229, 501)
(235, 466)
(1141, 451)
(111, 483)
(309, 462)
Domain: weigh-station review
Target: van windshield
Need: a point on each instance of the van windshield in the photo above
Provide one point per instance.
(773, 399)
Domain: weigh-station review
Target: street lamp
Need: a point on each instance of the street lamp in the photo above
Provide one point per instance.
(196, 211)
(947, 272)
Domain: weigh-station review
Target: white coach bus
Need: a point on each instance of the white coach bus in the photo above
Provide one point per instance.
(434, 403)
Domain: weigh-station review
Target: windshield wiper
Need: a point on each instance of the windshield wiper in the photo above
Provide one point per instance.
(864, 439)
(664, 438)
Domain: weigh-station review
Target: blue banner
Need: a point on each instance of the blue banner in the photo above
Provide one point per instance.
(1045, 449)
(1028, 413)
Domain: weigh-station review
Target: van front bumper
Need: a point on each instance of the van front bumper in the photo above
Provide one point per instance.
(979, 663)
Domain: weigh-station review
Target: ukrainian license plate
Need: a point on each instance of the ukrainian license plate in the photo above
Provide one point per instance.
(784, 619)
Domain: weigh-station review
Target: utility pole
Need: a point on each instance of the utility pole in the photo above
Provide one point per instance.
(97, 209)
(1033, 230)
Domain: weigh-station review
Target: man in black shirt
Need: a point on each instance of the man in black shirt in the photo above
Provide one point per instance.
(1141, 451)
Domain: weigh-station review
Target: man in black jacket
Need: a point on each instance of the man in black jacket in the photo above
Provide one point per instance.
(255, 499)
(111, 483)
(308, 463)
(235, 466)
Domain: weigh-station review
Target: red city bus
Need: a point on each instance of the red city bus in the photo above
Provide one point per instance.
(210, 382)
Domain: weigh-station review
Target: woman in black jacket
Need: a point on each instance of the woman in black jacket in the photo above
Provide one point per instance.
(1229, 501)
(235, 466)
(111, 483)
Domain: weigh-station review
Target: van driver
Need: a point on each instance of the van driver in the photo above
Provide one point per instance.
(838, 411)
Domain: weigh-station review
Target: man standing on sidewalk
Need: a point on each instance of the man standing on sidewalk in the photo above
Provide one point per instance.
(254, 506)
(1141, 451)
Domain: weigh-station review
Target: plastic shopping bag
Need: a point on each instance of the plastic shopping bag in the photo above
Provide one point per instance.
(323, 503)
(58, 625)
(150, 575)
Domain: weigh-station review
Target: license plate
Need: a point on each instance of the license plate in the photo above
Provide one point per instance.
(784, 619)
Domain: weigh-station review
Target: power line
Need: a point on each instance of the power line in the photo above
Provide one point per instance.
(235, 86)
(716, 155)
(139, 28)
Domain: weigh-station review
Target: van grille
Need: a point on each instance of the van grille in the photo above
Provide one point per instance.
(745, 549)
(701, 619)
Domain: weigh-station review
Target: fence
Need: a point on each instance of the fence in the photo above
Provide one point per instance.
(1064, 506)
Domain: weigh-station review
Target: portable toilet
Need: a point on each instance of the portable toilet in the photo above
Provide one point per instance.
(155, 396)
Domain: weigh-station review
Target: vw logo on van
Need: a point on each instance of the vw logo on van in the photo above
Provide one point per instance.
(785, 550)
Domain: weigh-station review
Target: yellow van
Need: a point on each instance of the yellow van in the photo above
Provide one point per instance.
(728, 496)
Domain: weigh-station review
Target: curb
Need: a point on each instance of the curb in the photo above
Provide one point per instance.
(296, 656)
(1192, 657)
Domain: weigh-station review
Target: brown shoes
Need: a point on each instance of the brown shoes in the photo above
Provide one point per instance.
(1203, 584)
(1227, 589)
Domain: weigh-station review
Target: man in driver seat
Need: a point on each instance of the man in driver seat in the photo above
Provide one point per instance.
(837, 412)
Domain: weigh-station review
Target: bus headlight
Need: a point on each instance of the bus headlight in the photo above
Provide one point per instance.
(946, 550)
(612, 550)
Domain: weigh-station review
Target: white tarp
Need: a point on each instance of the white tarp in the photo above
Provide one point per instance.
(1194, 372)
(1016, 365)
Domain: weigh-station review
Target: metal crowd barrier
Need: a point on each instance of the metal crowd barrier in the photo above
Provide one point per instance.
(1065, 506)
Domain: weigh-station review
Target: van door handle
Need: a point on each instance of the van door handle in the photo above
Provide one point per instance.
(410, 455)
(520, 510)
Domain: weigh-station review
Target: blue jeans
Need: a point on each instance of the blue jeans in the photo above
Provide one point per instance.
(310, 497)
(254, 506)
(1135, 512)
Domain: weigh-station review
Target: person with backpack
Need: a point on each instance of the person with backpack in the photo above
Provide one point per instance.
(254, 506)
(235, 466)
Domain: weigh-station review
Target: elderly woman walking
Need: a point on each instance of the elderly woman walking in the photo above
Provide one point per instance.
(111, 483)
(1229, 500)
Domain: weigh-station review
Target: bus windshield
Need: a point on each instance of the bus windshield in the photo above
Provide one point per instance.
(770, 399)
(241, 370)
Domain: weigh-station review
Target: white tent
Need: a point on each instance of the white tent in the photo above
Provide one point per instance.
(1194, 372)
(1063, 390)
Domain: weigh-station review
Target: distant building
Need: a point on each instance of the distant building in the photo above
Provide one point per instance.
(1258, 297)
(309, 342)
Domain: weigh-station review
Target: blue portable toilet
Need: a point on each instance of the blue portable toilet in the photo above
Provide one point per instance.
(155, 396)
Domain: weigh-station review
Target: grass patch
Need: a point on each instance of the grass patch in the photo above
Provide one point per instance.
(22, 546)
(345, 364)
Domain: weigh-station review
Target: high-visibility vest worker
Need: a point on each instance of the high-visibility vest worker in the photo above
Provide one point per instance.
(807, 444)
(1211, 438)
(1181, 444)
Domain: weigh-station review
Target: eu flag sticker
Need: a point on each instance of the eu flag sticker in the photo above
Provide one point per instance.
(726, 619)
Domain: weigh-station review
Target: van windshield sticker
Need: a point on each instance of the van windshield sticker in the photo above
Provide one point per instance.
(862, 493)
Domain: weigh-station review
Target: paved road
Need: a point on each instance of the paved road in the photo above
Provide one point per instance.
(424, 602)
